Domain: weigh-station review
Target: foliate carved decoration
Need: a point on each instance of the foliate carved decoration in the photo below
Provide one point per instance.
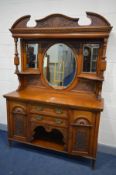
(104, 49)
(48, 128)
(98, 90)
(82, 121)
(97, 20)
(18, 110)
(21, 22)
(56, 23)
(103, 60)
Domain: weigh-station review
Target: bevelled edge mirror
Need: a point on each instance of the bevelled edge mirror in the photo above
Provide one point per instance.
(59, 66)
(30, 58)
(90, 57)
(31, 55)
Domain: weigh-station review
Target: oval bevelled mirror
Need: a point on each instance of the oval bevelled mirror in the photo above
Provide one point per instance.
(59, 66)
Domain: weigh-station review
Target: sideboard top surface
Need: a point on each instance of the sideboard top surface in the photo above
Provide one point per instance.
(81, 101)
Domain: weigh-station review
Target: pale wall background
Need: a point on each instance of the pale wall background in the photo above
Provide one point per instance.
(11, 10)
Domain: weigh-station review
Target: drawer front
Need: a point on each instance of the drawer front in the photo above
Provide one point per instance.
(49, 110)
(49, 120)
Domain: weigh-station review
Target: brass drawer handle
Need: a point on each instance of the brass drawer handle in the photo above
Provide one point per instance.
(59, 111)
(58, 121)
(39, 117)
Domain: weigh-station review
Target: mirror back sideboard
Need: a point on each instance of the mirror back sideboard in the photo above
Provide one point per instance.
(60, 68)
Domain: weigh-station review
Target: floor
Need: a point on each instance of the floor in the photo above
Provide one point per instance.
(21, 159)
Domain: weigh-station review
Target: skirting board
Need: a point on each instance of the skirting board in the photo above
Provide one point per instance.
(3, 127)
(101, 147)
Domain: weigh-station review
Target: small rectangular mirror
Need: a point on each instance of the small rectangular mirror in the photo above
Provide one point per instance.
(90, 55)
(32, 50)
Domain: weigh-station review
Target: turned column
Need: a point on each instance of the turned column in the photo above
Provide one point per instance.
(16, 58)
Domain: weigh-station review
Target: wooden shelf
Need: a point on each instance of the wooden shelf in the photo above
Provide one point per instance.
(28, 73)
(48, 145)
(88, 76)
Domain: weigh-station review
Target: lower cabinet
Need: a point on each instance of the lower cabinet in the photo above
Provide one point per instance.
(19, 124)
(70, 131)
(17, 121)
(82, 127)
(81, 142)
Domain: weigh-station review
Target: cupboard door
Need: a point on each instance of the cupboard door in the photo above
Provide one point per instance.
(19, 123)
(82, 132)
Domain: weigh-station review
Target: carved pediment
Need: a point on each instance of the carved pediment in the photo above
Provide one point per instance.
(60, 21)
(57, 23)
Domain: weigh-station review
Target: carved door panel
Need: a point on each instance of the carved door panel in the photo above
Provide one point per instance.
(19, 123)
(82, 133)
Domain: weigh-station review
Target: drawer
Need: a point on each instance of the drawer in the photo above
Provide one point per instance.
(77, 114)
(48, 110)
(49, 120)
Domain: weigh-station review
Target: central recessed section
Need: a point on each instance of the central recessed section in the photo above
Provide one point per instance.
(59, 66)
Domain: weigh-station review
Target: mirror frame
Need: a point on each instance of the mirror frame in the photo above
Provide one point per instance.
(76, 66)
(24, 57)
